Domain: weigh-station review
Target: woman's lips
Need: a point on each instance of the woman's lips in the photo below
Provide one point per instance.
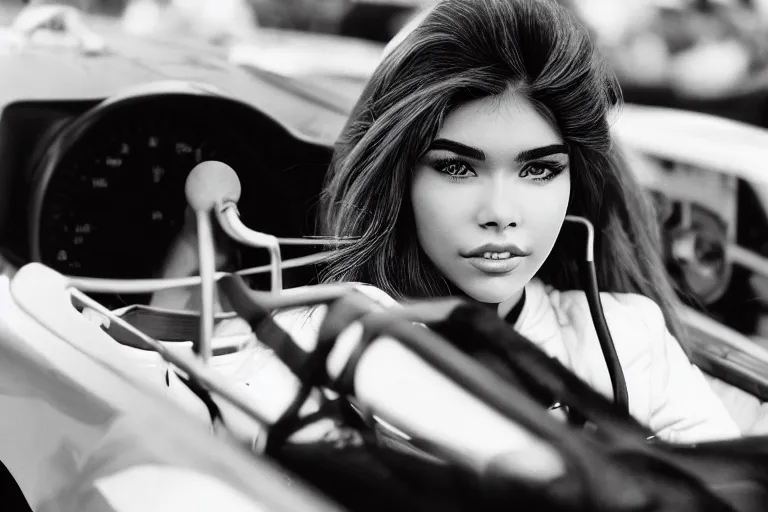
(495, 266)
(495, 250)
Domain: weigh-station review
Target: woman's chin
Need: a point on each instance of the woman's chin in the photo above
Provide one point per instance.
(493, 290)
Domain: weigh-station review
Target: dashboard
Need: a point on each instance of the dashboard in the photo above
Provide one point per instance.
(108, 196)
(96, 189)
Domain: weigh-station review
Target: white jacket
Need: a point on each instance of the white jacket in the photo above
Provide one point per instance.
(666, 392)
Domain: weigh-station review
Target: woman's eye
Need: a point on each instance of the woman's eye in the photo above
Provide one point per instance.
(542, 171)
(534, 170)
(454, 168)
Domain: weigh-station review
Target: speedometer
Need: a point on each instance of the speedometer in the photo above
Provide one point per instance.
(112, 201)
(108, 195)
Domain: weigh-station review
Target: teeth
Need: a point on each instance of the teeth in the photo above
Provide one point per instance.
(497, 255)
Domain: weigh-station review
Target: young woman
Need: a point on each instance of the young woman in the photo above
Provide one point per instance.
(481, 129)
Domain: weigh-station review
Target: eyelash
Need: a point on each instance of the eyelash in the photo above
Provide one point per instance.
(554, 169)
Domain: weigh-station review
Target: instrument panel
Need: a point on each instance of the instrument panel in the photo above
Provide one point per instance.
(105, 196)
(116, 199)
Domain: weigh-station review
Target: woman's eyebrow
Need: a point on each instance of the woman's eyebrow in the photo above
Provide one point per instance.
(458, 148)
(534, 153)
(477, 154)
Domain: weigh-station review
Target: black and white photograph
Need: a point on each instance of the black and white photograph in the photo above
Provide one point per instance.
(383, 255)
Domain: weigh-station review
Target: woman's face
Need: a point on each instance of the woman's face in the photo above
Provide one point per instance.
(490, 196)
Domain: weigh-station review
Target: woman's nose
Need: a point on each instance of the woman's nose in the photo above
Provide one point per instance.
(499, 207)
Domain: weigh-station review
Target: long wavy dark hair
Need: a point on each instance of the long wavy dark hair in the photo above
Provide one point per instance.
(469, 49)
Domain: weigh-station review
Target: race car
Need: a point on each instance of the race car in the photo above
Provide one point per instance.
(99, 131)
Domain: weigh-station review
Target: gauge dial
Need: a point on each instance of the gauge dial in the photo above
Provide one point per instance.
(116, 201)
(108, 198)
